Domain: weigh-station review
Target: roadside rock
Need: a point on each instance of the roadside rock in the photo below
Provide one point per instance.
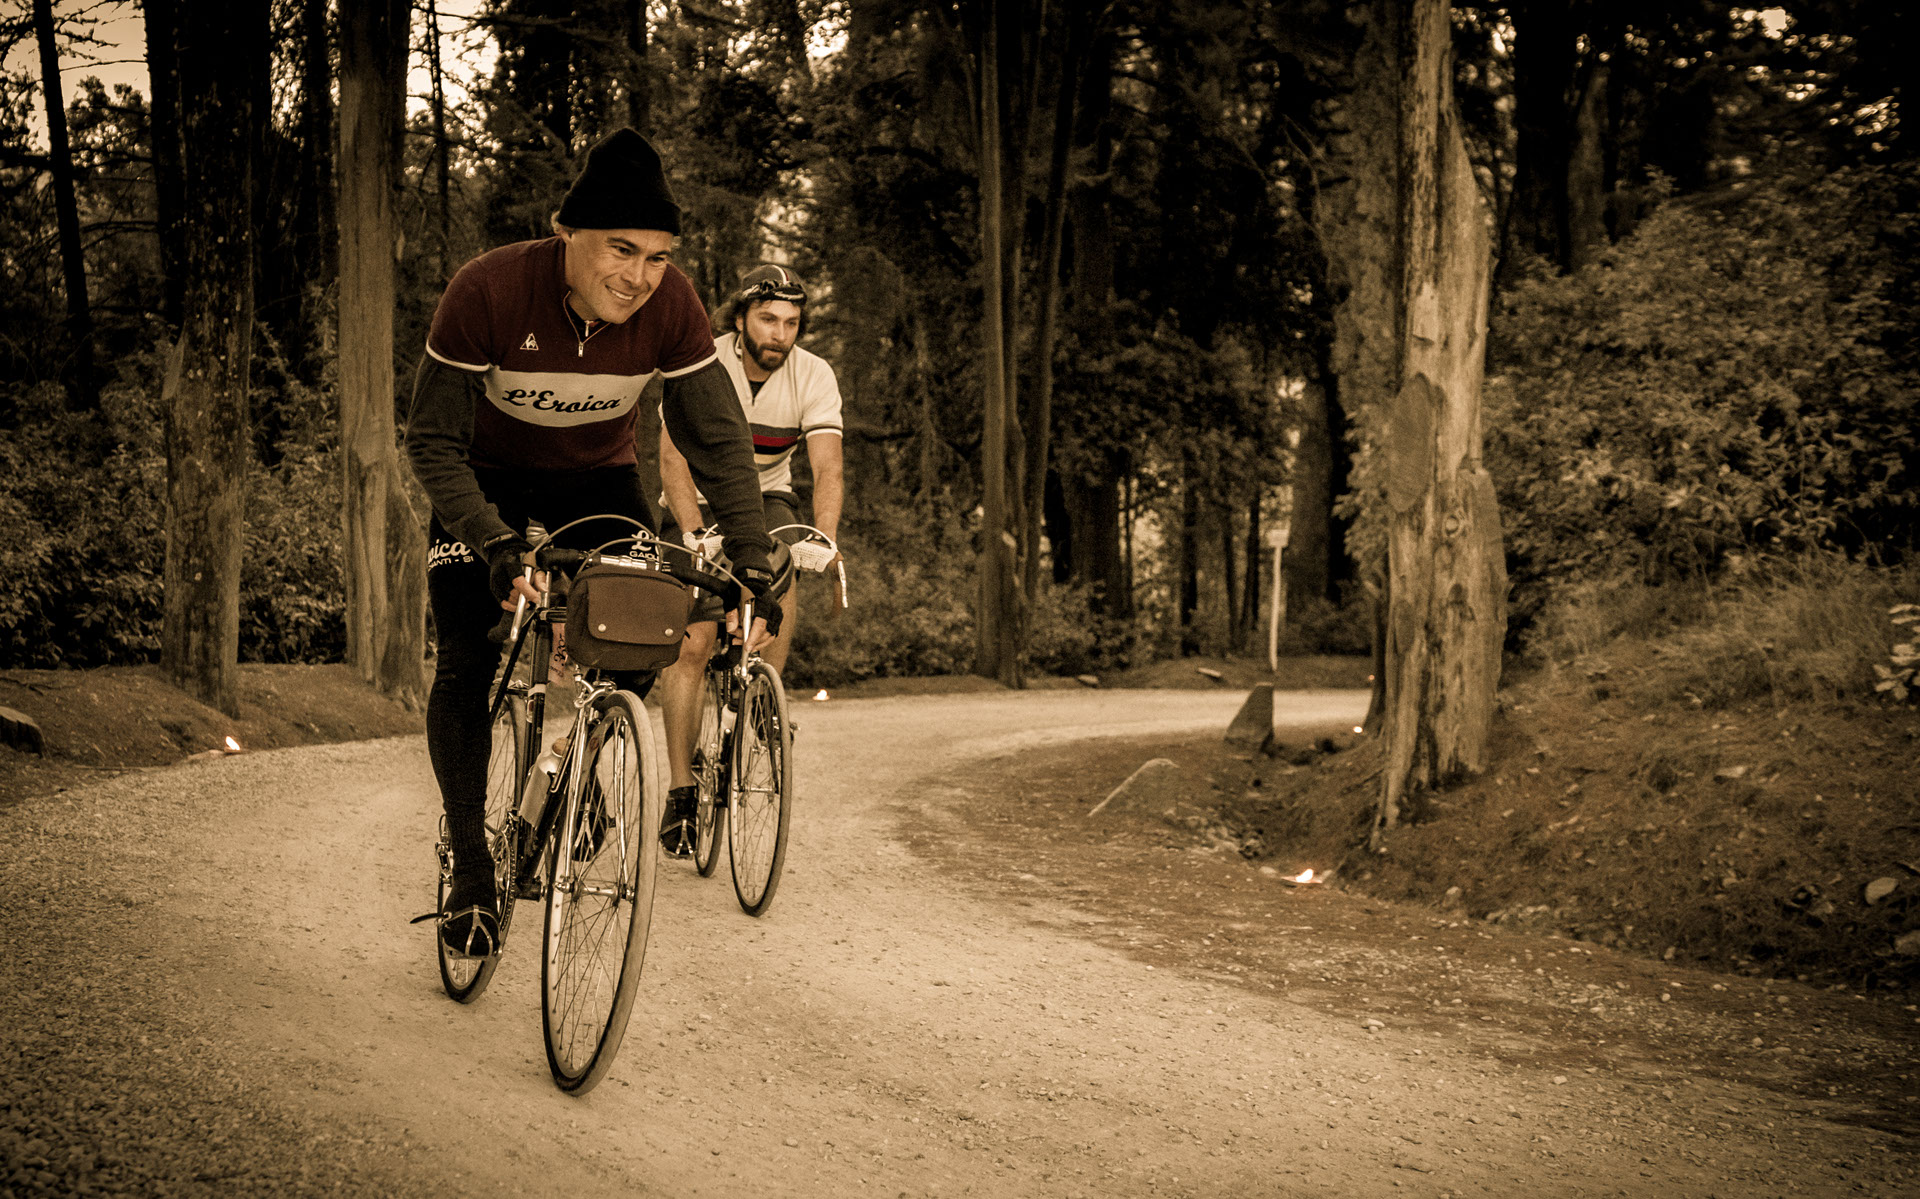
(1253, 725)
(22, 732)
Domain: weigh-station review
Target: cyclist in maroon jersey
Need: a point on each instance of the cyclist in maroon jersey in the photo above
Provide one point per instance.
(524, 411)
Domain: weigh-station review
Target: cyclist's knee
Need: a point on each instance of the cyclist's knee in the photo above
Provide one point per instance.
(697, 645)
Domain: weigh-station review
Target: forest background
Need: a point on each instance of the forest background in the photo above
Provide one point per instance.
(1701, 374)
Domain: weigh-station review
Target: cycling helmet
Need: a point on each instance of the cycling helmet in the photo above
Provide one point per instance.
(771, 283)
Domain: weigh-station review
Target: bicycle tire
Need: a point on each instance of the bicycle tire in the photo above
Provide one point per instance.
(603, 864)
(710, 774)
(760, 793)
(466, 978)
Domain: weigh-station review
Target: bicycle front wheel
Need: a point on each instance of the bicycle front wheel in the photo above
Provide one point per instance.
(465, 978)
(710, 773)
(761, 790)
(603, 863)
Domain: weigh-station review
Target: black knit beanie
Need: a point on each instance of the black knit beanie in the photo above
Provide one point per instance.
(623, 186)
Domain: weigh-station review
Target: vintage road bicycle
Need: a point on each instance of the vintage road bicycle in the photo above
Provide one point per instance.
(572, 820)
(743, 747)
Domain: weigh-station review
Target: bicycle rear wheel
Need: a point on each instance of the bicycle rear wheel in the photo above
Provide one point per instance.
(761, 791)
(465, 978)
(710, 773)
(603, 864)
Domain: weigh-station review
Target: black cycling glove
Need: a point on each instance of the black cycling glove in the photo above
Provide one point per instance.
(759, 580)
(505, 561)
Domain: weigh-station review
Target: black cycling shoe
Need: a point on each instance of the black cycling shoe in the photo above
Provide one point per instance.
(470, 923)
(676, 831)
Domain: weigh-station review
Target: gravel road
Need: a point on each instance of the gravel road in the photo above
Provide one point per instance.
(208, 987)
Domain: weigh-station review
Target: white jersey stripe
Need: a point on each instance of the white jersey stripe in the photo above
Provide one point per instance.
(471, 368)
(688, 370)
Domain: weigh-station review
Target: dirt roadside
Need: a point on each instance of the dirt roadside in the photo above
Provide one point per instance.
(914, 1017)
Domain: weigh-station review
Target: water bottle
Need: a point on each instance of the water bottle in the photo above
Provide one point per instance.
(533, 800)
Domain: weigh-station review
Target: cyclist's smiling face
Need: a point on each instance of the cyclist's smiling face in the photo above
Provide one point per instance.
(611, 272)
(767, 333)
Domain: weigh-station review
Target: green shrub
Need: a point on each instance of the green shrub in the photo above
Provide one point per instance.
(84, 541)
(1717, 385)
(81, 542)
(910, 594)
(1322, 627)
(1899, 677)
(292, 590)
(911, 583)
(1808, 627)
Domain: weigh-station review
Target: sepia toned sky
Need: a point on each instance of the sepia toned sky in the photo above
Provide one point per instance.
(121, 56)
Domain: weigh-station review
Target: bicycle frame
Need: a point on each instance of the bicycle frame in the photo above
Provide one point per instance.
(529, 843)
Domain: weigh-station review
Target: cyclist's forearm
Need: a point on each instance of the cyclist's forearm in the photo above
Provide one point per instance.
(676, 484)
(704, 418)
(439, 433)
(829, 482)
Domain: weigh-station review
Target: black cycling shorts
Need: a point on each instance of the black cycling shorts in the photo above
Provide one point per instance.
(778, 508)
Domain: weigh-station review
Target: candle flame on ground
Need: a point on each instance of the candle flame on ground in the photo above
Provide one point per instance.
(1305, 876)
(820, 694)
(233, 747)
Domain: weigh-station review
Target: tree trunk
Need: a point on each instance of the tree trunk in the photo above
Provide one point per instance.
(442, 151)
(1040, 435)
(1306, 565)
(319, 256)
(169, 183)
(1405, 232)
(386, 631)
(997, 650)
(1099, 557)
(1586, 172)
(1446, 616)
(1545, 55)
(82, 390)
(1251, 613)
(1230, 596)
(205, 393)
(1057, 516)
(1188, 556)
(639, 80)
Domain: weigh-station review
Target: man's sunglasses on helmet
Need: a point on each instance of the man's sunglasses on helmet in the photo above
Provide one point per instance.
(767, 289)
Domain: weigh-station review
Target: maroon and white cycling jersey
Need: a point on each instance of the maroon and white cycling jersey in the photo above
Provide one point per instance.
(558, 399)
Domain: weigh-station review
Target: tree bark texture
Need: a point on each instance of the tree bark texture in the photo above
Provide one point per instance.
(1447, 580)
(442, 150)
(1587, 171)
(169, 185)
(386, 618)
(997, 648)
(1545, 61)
(82, 390)
(1054, 210)
(205, 393)
(1306, 564)
(639, 77)
(1408, 235)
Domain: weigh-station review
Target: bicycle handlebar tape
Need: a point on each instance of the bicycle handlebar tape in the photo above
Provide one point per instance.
(766, 604)
(505, 560)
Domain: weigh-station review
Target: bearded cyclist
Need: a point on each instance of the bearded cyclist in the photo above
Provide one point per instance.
(786, 393)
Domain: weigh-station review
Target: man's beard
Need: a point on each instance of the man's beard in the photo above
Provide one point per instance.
(759, 352)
